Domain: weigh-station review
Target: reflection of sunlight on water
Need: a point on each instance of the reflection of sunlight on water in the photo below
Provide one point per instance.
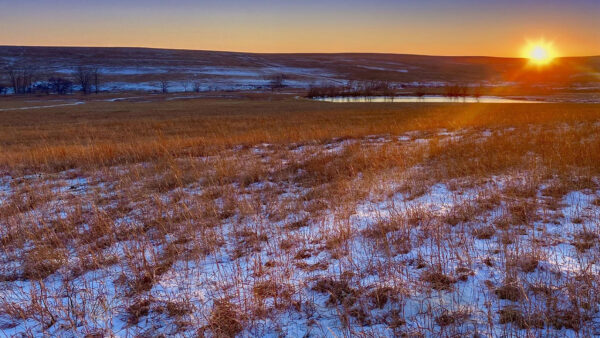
(423, 99)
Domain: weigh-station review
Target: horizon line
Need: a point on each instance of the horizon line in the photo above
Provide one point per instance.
(287, 53)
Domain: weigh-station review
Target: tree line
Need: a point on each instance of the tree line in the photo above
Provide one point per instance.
(353, 89)
(384, 88)
(164, 85)
(26, 80)
(23, 80)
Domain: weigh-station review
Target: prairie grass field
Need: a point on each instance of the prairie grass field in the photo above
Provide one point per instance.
(273, 215)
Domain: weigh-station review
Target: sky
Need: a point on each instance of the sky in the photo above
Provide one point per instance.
(434, 27)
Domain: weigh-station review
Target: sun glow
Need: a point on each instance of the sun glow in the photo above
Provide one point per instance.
(540, 52)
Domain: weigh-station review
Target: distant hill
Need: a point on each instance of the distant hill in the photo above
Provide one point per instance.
(144, 68)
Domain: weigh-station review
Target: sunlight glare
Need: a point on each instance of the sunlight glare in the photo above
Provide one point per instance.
(539, 52)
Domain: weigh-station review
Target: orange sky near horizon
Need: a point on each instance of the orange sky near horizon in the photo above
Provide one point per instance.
(440, 29)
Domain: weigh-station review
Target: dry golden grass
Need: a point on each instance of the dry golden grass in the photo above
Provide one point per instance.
(109, 133)
(224, 217)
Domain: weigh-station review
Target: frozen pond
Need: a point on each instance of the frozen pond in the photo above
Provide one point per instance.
(422, 99)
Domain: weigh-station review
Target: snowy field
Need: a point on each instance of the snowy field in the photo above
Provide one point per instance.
(487, 230)
(142, 69)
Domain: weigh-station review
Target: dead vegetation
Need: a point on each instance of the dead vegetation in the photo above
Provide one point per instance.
(230, 218)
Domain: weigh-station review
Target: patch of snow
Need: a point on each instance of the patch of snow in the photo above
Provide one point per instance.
(384, 69)
(42, 107)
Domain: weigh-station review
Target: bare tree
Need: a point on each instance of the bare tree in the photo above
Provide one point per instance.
(164, 85)
(96, 79)
(277, 81)
(59, 85)
(185, 84)
(197, 86)
(456, 90)
(21, 79)
(41, 87)
(84, 76)
(478, 91)
(464, 91)
(386, 88)
(11, 73)
(420, 91)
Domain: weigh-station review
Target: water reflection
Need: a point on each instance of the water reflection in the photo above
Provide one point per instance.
(423, 99)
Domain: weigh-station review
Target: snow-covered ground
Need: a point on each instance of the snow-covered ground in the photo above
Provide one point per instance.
(397, 252)
(384, 69)
(44, 106)
(134, 68)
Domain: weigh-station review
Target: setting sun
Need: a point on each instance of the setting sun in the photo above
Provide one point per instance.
(540, 52)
